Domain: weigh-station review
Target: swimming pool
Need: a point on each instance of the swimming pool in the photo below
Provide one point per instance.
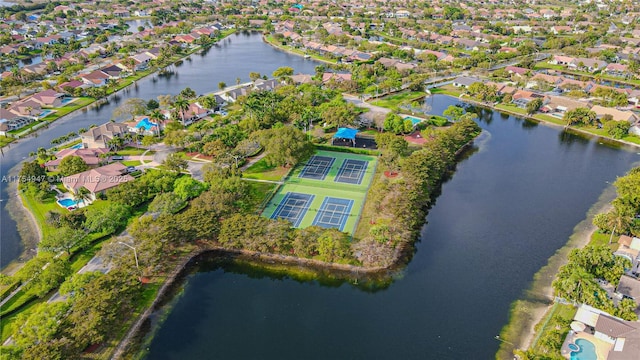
(45, 113)
(145, 123)
(414, 121)
(587, 350)
(66, 203)
(77, 146)
(66, 100)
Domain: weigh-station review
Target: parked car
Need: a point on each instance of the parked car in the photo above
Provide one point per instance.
(117, 157)
(131, 169)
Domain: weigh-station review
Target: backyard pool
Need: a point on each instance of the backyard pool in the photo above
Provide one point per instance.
(77, 146)
(66, 100)
(66, 203)
(586, 351)
(146, 124)
(45, 113)
(414, 121)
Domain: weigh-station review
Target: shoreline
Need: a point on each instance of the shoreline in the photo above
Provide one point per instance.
(254, 257)
(542, 121)
(536, 301)
(106, 98)
(24, 225)
(275, 46)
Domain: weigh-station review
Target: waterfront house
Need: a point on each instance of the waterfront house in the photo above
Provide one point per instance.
(619, 70)
(26, 107)
(100, 136)
(194, 113)
(11, 121)
(98, 180)
(629, 247)
(590, 65)
(49, 98)
(612, 338)
(629, 287)
(92, 157)
(95, 78)
(465, 81)
(618, 115)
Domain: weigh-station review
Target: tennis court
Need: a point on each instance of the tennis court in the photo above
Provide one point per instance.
(317, 167)
(352, 171)
(333, 213)
(293, 207)
(328, 191)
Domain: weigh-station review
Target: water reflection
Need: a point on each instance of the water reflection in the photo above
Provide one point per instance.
(568, 138)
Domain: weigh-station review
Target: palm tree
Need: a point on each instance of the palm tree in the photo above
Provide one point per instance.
(81, 195)
(181, 105)
(208, 102)
(156, 116)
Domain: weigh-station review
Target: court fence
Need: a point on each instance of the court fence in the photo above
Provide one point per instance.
(268, 198)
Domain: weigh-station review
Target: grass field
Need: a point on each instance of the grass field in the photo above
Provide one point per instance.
(321, 189)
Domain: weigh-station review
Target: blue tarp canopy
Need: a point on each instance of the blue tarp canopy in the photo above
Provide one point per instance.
(345, 133)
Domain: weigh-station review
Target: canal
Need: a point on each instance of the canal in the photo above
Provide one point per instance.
(511, 203)
(234, 57)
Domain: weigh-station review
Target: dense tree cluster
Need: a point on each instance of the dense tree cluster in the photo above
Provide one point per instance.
(400, 203)
(577, 280)
(623, 219)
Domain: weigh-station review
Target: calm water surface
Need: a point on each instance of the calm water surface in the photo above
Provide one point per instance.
(235, 57)
(505, 211)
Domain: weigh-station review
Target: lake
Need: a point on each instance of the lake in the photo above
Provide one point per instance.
(512, 202)
(234, 57)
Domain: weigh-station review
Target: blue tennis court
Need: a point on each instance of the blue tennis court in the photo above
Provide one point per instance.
(293, 207)
(317, 167)
(333, 213)
(352, 171)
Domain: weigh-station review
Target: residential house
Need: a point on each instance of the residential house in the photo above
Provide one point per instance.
(194, 113)
(99, 137)
(49, 98)
(26, 107)
(302, 79)
(465, 81)
(517, 71)
(141, 61)
(618, 115)
(114, 71)
(98, 180)
(561, 60)
(92, 157)
(560, 29)
(522, 97)
(558, 105)
(629, 247)
(590, 65)
(621, 336)
(70, 85)
(10, 121)
(629, 287)
(338, 77)
(95, 78)
(615, 69)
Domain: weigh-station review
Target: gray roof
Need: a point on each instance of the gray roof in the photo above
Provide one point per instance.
(613, 327)
(466, 80)
(629, 286)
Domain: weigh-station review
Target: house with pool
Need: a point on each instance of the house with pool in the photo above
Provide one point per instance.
(143, 125)
(98, 180)
(597, 335)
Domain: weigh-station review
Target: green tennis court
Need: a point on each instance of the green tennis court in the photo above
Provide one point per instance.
(338, 182)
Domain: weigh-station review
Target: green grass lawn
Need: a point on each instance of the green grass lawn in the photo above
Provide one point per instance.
(131, 162)
(5, 140)
(271, 40)
(258, 193)
(446, 90)
(132, 151)
(393, 101)
(511, 108)
(261, 171)
(598, 238)
(555, 329)
(6, 325)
